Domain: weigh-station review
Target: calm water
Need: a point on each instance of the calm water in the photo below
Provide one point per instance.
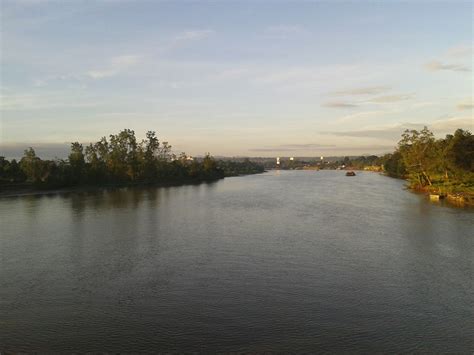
(299, 261)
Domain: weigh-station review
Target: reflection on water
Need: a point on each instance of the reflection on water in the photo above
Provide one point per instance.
(290, 260)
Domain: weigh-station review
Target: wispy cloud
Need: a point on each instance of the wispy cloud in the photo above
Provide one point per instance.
(379, 133)
(360, 116)
(233, 73)
(117, 65)
(436, 65)
(422, 104)
(394, 132)
(291, 147)
(30, 101)
(449, 125)
(385, 99)
(371, 90)
(339, 104)
(391, 98)
(284, 31)
(310, 149)
(303, 76)
(193, 35)
(460, 51)
(465, 105)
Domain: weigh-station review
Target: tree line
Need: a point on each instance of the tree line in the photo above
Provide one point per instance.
(426, 162)
(121, 159)
(446, 163)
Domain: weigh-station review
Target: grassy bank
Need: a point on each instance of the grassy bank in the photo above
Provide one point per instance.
(461, 194)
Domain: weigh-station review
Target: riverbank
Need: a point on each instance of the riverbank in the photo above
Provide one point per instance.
(455, 195)
(458, 195)
(30, 190)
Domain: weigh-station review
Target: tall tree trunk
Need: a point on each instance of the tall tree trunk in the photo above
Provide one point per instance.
(427, 178)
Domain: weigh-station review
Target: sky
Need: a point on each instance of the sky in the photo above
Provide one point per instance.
(234, 78)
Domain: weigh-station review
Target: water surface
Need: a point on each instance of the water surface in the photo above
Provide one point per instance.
(290, 260)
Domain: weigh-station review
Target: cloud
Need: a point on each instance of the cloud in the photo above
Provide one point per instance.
(465, 106)
(361, 115)
(394, 132)
(371, 148)
(117, 65)
(339, 104)
(50, 100)
(302, 77)
(391, 98)
(377, 100)
(34, 2)
(283, 31)
(292, 147)
(74, 80)
(436, 65)
(390, 133)
(422, 104)
(193, 35)
(311, 149)
(460, 51)
(233, 73)
(373, 90)
(449, 125)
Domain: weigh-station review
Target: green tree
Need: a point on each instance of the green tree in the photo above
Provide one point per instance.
(417, 149)
(461, 151)
(150, 148)
(77, 161)
(30, 164)
(393, 165)
(123, 159)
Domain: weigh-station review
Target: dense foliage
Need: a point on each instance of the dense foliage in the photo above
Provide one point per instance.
(118, 160)
(445, 164)
(360, 162)
(235, 168)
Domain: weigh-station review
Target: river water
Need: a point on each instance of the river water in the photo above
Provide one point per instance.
(283, 261)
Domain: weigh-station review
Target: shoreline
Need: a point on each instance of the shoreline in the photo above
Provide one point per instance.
(91, 188)
(457, 199)
(32, 191)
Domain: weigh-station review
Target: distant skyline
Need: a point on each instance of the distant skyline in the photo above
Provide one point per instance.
(238, 78)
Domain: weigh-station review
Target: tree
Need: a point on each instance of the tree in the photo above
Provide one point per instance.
(393, 165)
(149, 148)
(461, 151)
(30, 164)
(77, 161)
(417, 152)
(123, 161)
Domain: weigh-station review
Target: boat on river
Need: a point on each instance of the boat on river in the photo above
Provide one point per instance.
(350, 173)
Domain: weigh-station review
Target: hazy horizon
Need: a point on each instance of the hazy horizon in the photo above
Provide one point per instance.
(234, 79)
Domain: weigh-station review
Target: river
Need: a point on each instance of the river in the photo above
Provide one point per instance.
(298, 261)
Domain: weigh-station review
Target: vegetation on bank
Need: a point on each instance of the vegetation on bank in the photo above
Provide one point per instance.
(236, 168)
(440, 166)
(119, 160)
